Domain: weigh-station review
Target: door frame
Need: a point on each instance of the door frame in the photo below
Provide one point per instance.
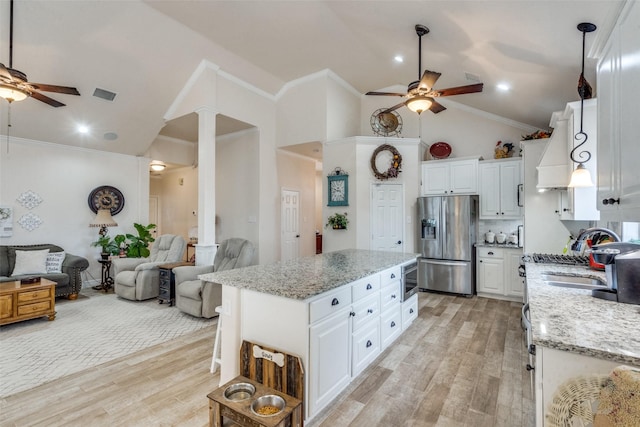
(402, 216)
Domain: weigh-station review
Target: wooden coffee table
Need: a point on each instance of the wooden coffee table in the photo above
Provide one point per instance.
(20, 302)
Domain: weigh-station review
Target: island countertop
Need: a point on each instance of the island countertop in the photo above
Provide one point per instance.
(572, 320)
(306, 277)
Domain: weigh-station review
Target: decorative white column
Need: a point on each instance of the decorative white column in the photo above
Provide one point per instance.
(206, 247)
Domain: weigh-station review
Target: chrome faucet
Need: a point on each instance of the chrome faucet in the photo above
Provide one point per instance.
(589, 231)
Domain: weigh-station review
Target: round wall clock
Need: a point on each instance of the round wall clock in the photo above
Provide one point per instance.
(106, 197)
(386, 123)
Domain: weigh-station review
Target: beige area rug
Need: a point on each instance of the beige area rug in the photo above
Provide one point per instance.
(94, 329)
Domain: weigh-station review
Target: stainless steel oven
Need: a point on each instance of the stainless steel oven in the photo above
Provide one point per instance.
(409, 280)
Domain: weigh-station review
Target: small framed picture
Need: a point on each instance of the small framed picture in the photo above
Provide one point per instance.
(338, 186)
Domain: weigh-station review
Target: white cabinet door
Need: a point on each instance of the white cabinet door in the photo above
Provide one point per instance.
(499, 182)
(435, 178)
(330, 359)
(442, 177)
(491, 275)
(514, 284)
(489, 190)
(366, 346)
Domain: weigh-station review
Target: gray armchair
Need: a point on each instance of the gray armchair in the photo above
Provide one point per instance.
(139, 278)
(199, 298)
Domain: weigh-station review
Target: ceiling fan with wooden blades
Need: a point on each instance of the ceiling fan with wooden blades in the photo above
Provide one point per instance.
(421, 94)
(14, 85)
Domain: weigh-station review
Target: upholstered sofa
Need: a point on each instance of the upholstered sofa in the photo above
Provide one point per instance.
(68, 279)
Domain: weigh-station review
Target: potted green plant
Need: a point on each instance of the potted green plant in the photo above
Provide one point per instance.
(337, 221)
(121, 241)
(138, 246)
(109, 246)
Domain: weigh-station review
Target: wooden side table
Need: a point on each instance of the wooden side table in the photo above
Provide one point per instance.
(168, 282)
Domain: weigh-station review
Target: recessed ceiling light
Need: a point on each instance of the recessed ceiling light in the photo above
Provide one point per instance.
(398, 58)
(83, 129)
(503, 87)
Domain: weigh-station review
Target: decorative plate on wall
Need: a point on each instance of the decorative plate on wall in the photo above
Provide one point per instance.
(440, 150)
(106, 197)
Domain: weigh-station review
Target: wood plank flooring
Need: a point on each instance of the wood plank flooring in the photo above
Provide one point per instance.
(461, 363)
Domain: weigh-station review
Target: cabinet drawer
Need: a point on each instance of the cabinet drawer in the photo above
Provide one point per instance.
(364, 287)
(390, 275)
(365, 310)
(390, 295)
(35, 308)
(409, 311)
(34, 295)
(330, 303)
(366, 347)
(390, 325)
(490, 252)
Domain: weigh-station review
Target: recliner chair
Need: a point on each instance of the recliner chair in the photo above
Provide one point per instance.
(139, 278)
(199, 298)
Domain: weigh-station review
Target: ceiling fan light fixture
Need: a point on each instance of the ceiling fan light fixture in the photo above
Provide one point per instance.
(12, 93)
(419, 103)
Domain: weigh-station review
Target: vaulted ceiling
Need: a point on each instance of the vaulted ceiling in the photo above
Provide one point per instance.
(145, 51)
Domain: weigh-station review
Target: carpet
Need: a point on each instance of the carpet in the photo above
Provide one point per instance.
(94, 329)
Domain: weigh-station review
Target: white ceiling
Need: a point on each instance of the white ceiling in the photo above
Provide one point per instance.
(145, 51)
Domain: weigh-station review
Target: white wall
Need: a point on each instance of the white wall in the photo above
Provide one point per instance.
(63, 177)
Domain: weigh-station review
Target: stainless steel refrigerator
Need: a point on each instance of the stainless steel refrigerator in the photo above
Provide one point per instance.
(447, 228)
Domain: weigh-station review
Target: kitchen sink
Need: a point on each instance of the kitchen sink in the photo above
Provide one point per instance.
(578, 282)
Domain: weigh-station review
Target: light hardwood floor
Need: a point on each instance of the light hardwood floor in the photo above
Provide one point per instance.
(461, 363)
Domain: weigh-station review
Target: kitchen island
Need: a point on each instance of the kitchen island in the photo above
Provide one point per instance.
(337, 311)
(574, 333)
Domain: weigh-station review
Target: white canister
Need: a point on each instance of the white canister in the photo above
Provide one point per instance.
(501, 238)
(490, 237)
(513, 239)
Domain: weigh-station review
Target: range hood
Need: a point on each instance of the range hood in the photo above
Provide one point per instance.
(554, 168)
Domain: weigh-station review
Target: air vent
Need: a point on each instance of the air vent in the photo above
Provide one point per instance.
(104, 94)
(471, 77)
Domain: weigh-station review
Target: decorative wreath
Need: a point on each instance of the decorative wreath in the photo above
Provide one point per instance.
(396, 161)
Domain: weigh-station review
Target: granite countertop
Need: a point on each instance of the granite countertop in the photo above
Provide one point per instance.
(572, 320)
(497, 245)
(309, 276)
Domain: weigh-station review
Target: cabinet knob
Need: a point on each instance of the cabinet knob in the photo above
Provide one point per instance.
(611, 201)
(393, 296)
(393, 276)
(393, 324)
(369, 343)
(370, 311)
(411, 311)
(352, 314)
(529, 367)
(369, 287)
(335, 301)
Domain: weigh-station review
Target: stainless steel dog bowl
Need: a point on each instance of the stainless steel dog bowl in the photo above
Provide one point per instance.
(267, 406)
(239, 391)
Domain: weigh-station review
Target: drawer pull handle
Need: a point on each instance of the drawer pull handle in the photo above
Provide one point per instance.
(393, 324)
(335, 302)
(411, 311)
(352, 314)
(393, 276)
(369, 286)
(393, 296)
(370, 311)
(490, 253)
(369, 343)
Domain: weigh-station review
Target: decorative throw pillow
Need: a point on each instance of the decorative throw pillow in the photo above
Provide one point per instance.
(54, 262)
(30, 262)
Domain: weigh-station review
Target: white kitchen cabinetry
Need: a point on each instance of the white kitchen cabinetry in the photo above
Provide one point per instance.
(450, 176)
(497, 273)
(618, 94)
(499, 189)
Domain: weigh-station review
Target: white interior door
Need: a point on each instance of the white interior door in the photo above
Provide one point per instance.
(290, 247)
(154, 214)
(387, 213)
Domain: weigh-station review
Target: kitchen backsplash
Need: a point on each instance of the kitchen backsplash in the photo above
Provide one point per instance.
(499, 225)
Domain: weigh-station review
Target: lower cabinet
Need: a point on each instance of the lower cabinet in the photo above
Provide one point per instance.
(497, 273)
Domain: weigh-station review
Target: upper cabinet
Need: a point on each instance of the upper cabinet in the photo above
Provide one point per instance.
(450, 177)
(618, 94)
(500, 189)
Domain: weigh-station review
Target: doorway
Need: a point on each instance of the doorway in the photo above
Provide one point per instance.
(387, 214)
(290, 226)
